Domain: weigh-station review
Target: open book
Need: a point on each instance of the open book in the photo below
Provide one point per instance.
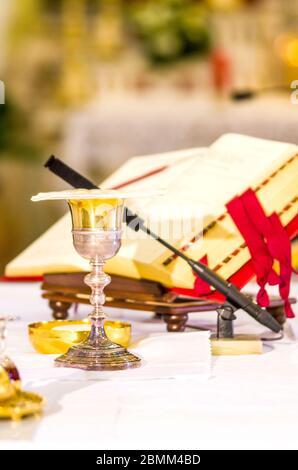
(198, 183)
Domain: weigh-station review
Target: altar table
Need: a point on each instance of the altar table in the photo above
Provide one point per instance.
(249, 401)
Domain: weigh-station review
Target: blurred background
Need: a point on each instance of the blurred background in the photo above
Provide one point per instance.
(98, 81)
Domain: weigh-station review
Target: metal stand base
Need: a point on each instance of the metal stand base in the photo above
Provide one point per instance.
(238, 346)
(225, 318)
(225, 343)
(107, 356)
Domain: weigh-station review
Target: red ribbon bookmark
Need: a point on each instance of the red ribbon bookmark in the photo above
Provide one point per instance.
(267, 240)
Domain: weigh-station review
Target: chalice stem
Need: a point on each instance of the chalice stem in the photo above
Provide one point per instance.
(97, 280)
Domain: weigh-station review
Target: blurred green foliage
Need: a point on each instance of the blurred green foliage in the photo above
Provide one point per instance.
(170, 30)
(15, 134)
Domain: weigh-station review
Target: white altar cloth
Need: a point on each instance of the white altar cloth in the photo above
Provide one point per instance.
(249, 401)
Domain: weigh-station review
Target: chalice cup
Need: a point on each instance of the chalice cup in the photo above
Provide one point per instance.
(96, 230)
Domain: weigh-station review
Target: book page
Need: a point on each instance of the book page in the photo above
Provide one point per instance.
(140, 167)
(209, 179)
(52, 252)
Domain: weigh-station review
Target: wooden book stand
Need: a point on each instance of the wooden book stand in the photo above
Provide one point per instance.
(64, 289)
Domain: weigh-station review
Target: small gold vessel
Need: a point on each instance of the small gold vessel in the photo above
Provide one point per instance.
(20, 405)
(14, 402)
(56, 337)
(7, 389)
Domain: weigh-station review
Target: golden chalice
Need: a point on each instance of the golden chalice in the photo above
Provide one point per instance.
(96, 229)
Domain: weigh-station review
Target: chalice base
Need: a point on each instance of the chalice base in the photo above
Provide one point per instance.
(103, 356)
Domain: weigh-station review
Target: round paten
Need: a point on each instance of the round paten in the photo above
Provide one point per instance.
(111, 194)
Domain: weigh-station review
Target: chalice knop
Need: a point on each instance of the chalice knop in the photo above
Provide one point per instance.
(96, 230)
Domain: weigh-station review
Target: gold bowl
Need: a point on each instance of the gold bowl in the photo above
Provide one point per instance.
(56, 337)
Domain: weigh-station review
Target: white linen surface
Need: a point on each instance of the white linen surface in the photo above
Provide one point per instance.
(163, 356)
(249, 401)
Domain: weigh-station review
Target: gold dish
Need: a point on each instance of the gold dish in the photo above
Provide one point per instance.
(20, 405)
(46, 338)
